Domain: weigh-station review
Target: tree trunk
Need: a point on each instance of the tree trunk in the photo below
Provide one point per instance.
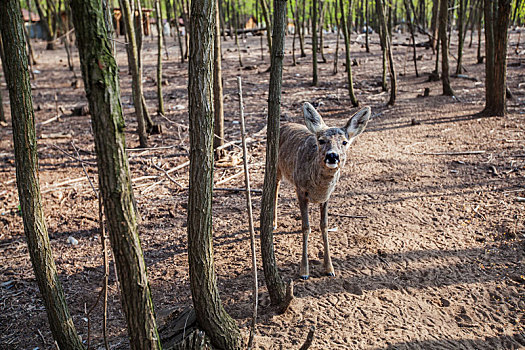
(276, 287)
(24, 140)
(321, 29)
(367, 46)
(411, 16)
(461, 35)
(346, 33)
(179, 38)
(212, 317)
(100, 73)
(314, 42)
(497, 18)
(135, 68)
(294, 16)
(159, 58)
(46, 26)
(434, 24)
(267, 19)
(443, 19)
(218, 104)
(336, 53)
(386, 44)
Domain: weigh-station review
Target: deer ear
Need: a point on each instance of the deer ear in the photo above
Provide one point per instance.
(357, 122)
(312, 119)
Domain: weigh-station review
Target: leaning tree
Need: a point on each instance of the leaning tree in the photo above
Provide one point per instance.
(15, 62)
(100, 74)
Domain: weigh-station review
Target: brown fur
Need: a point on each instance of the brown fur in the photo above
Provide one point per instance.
(311, 158)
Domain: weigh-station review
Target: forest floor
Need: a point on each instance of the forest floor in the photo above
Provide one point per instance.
(435, 261)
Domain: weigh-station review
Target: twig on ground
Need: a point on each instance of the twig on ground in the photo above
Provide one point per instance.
(309, 339)
(167, 175)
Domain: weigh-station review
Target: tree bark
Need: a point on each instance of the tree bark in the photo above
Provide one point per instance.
(434, 27)
(212, 317)
(276, 287)
(497, 18)
(100, 74)
(267, 19)
(345, 25)
(411, 17)
(15, 62)
(461, 35)
(218, 104)
(443, 20)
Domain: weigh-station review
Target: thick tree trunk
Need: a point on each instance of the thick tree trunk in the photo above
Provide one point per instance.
(346, 33)
(218, 128)
(497, 18)
(100, 73)
(24, 140)
(212, 317)
(276, 287)
(160, 99)
(314, 42)
(443, 19)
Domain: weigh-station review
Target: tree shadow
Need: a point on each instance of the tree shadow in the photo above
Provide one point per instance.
(515, 341)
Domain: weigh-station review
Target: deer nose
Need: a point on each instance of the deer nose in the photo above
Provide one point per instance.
(332, 158)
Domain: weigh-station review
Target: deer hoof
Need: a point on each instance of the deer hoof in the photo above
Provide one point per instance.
(304, 277)
(330, 274)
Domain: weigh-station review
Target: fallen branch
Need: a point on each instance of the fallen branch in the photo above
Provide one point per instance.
(229, 178)
(167, 175)
(349, 216)
(236, 189)
(459, 153)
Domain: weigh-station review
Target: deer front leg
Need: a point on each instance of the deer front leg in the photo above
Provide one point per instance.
(328, 268)
(303, 205)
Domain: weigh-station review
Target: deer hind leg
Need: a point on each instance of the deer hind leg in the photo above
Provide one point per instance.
(328, 268)
(303, 205)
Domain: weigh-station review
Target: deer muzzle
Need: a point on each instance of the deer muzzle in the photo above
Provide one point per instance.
(332, 160)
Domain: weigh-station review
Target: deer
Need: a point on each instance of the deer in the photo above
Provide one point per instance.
(311, 157)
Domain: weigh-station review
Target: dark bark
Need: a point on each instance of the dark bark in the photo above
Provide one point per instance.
(276, 287)
(212, 317)
(367, 46)
(15, 63)
(218, 128)
(100, 74)
(177, 28)
(346, 33)
(497, 18)
(443, 20)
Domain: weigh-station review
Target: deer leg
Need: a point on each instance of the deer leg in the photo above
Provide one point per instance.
(275, 213)
(303, 205)
(328, 268)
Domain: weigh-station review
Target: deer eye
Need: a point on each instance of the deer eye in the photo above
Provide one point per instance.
(345, 143)
(322, 141)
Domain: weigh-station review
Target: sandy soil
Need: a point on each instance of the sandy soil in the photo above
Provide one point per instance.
(435, 262)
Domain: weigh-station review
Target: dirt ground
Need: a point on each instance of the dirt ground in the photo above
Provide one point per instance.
(433, 261)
